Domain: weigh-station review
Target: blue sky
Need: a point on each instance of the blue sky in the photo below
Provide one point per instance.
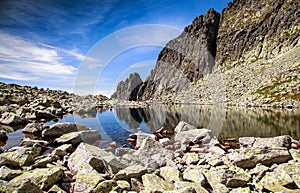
(46, 43)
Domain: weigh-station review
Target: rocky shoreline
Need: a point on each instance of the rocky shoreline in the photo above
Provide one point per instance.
(66, 159)
(20, 105)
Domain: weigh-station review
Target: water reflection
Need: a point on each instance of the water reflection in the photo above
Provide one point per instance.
(118, 124)
(224, 122)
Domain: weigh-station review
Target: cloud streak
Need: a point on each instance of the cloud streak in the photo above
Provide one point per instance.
(21, 59)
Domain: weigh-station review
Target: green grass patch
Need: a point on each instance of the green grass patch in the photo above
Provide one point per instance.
(267, 90)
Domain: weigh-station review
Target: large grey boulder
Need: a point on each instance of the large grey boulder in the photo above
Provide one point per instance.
(22, 156)
(91, 157)
(10, 118)
(58, 129)
(186, 133)
(249, 157)
(183, 126)
(8, 173)
(277, 181)
(151, 154)
(33, 128)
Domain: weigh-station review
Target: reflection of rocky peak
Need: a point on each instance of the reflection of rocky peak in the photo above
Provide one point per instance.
(127, 90)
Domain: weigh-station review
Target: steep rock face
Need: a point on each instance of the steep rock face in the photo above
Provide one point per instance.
(254, 44)
(251, 30)
(127, 90)
(184, 59)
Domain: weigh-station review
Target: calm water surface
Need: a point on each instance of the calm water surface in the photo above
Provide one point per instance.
(117, 124)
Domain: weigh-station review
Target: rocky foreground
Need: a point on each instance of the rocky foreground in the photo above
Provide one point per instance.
(64, 160)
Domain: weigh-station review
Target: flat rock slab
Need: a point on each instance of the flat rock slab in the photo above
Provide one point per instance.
(58, 129)
(273, 142)
(75, 138)
(249, 157)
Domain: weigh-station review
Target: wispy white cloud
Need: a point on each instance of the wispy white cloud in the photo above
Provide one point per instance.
(21, 59)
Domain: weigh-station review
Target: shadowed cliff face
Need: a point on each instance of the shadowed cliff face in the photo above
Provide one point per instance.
(184, 59)
(250, 36)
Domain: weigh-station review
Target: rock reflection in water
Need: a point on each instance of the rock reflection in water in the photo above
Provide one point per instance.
(224, 122)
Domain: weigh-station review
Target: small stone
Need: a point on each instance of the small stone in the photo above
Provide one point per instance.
(58, 129)
(259, 171)
(124, 185)
(141, 136)
(105, 186)
(187, 187)
(190, 158)
(154, 183)
(194, 175)
(249, 157)
(22, 156)
(170, 174)
(135, 171)
(295, 153)
(56, 189)
(136, 185)
(63, 150)
(87, 180)
(241, 190)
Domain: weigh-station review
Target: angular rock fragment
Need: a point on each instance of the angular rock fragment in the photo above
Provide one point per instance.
(42, 177)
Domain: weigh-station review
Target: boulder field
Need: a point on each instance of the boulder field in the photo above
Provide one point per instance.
(66, 158)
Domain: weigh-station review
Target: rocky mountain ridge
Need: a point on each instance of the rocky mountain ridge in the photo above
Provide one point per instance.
(244, 44)
(127, 90)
